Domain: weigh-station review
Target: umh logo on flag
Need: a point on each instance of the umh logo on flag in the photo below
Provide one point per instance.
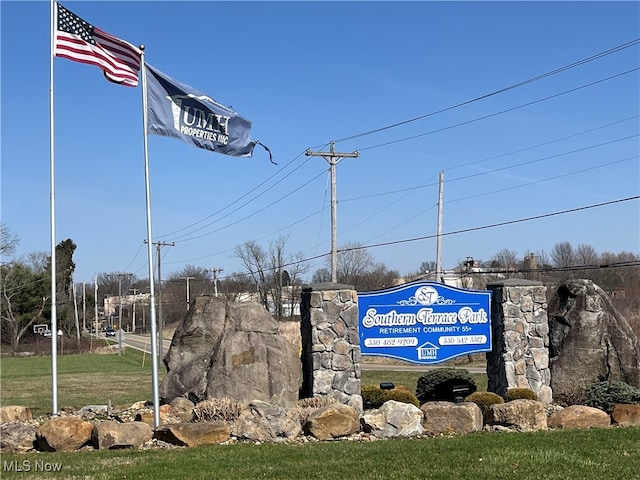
(180, 111)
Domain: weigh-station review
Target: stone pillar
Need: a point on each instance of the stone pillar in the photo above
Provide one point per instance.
(520, 333)
(330, 343)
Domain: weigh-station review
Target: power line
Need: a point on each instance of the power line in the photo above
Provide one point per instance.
(496, 92)
(467, 230)
(242, 197)
(455, 179)
(493, 225)
(484, 117)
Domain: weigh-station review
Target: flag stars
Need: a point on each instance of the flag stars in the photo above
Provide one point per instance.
(70, 23)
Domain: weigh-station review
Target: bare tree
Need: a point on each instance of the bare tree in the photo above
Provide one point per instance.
(562, 255)
(187, 283)
(254, 259)
(321, 275)
(586, 255)
(353, 262)
(506, 259)
(271, 271)
(8, 241)
(24, 291)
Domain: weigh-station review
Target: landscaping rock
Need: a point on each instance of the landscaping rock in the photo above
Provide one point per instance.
(110, 435)
(184, 408)
(590, 341)
(17, 437)
(393, 420)
(194, 434)
(231, 349)
(579, 416)
(168, 415)
(444, 418)
(520, 415)
(626, 415)
(63, 434)
(15, 413)
(332, 421)
(264, 422)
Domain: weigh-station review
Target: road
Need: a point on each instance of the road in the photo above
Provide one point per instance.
(143, 342)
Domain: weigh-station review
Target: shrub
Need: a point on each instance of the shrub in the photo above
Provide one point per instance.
(484, 400)
(374, 397)
(400, 394)
(211, 409)
(604, 395)
(438, 384)
(520, 393)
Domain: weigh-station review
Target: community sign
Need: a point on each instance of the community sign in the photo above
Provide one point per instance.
(424, 322)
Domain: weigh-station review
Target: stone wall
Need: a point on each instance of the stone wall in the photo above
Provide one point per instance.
(330, 343)
(520, 331)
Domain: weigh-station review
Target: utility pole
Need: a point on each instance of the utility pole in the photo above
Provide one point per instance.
(120, 275)
(188, 298)
(333, 158)
(215, 272)
(84, 306)
(439, 237)
(95, 306)
(133, 318)
(159, 246)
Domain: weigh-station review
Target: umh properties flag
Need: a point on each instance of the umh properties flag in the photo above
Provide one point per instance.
(180, 111)
(82, 42)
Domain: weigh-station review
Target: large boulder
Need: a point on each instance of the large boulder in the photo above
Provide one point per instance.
(519, 415)
(231, 349)
(333, 421)
(63, 434)
(264, 422)
(17, 437)
(579, 416)
(393, 420)
(626, 415)
(447, 418)
(590, 341)
(110, 435)
(194, 434)
(15, 413)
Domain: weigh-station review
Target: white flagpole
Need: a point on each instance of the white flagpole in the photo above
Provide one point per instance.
(154, 336)
(52, 206)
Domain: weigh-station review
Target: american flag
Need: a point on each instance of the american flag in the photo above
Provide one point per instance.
(80, 41)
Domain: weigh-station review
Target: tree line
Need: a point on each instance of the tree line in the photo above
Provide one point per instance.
(273, 277)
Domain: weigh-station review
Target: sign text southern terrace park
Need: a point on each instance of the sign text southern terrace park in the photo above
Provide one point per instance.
(424, 322)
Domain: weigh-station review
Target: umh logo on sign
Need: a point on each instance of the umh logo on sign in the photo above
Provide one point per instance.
(424, 322)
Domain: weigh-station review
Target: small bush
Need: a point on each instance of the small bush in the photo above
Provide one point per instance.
(212, 409)
(400, 394)
(604, 395)
(374, 397)
(484, 400)
(520, 394)
(437, 384)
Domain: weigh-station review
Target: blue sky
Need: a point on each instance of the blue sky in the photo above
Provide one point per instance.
(306, 73)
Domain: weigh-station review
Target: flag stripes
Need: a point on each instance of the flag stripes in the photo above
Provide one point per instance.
(78, 40)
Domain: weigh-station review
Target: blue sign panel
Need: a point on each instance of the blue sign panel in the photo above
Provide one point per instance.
(424, 322)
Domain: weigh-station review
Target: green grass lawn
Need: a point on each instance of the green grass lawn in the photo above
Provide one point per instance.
(86, 379)
(599, 454)
(90, 379)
